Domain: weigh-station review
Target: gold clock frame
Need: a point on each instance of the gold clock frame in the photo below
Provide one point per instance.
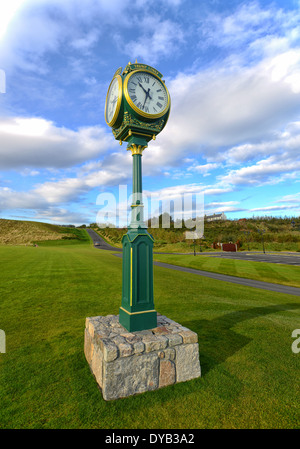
(133, 106)
(119, 101)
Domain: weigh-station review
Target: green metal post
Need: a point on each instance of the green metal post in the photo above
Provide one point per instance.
(137, 309)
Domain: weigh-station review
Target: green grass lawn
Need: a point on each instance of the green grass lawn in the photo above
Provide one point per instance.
(260, 271)
(250, 376)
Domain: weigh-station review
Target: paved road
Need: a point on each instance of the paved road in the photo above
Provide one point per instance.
(257, 256)
(236, 280)
(101, 244)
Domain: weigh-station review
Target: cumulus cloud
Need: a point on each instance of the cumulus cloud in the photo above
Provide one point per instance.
(286, 142)
(273, 208)
(271, 170)
(36, 142)
(239, 112)
(252, 30)
(110, 172)
(203, 169)
(218, 108)
(294, 198)
(42, 26)
(161, 38)
(62, 216)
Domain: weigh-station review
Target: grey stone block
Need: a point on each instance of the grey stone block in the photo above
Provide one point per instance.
(127, 363)
(187, 362)
(130, 375)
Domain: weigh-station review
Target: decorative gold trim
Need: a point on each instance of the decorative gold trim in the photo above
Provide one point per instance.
(115, 116)
(118, 72)
(150, 127)
(135, 132)
(136, 149)
(136, 313)
(133, 106)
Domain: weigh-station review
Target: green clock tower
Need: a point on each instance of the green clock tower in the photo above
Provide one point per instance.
(137, 109)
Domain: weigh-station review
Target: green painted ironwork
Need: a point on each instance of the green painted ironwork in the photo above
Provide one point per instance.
(137, 310)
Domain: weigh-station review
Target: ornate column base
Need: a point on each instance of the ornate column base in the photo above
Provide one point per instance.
(137, 309)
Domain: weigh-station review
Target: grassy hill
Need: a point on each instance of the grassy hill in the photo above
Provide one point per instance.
(14, 232)
(280, 234)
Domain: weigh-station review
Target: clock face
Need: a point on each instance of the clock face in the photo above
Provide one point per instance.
(146, 94)
(113, 100)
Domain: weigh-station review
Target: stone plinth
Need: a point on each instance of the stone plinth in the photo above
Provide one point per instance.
(126, 363)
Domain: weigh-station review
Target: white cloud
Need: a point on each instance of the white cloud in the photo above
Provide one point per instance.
(7, 11)
(252, 29)
(36, 142)
(45, 26)
(271, 170)
(161, 39)
(66, 190)
(287, 142)
(242, 109)
(273, 208)
(10, 199)
(222, 203)
(219, 107)
(62, 216)
(203, 169)
(293, 198)
(174, 192)
(87, 41)
(232, 115)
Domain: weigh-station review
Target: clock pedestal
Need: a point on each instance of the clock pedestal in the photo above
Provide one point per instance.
(137, 309)
(155, 351)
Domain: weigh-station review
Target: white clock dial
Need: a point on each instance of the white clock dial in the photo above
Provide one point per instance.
(148, 93)
(113, 100)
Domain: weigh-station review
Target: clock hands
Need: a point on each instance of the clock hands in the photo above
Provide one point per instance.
(142, 87)
(147, 92)
(147, 96)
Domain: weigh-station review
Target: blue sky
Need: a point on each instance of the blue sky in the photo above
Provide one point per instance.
(233, 73)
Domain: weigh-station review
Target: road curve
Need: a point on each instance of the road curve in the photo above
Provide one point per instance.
(279, 288)
(99, 242)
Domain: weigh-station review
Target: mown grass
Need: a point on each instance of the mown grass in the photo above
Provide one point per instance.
(249, 372)
(260, 271)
